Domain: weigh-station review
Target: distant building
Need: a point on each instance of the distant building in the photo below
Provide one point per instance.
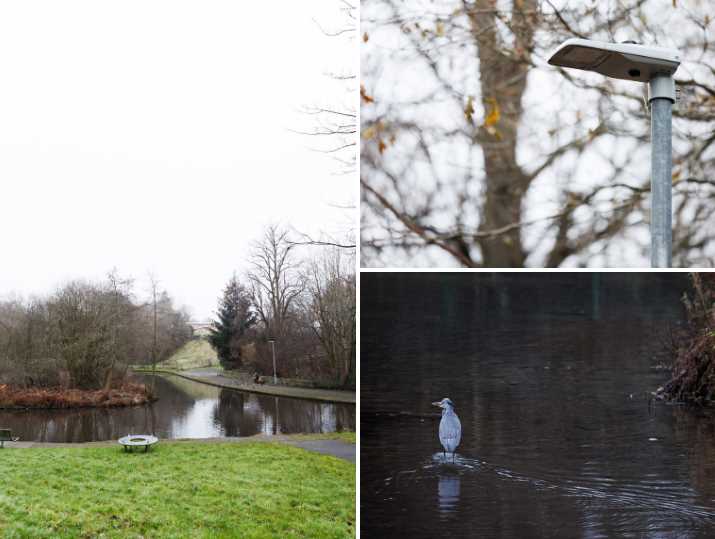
(201, 329)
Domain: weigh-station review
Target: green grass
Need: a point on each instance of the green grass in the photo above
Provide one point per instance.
(194, 354)
(251, 490)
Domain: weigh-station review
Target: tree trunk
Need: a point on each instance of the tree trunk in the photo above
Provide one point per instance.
(503, 70)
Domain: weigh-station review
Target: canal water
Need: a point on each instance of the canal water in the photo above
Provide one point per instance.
(185, 409)
(550, 375)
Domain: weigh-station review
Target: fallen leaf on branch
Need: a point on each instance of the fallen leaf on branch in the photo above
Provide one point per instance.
(366, 98)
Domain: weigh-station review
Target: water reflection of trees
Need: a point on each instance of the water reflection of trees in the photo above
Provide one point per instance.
(245, 414)
(695, 429)
(80, 425)
(91, 424)
(235, 418)
(234, 414)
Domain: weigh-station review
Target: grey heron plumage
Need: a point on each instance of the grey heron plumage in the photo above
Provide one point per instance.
(450, 429)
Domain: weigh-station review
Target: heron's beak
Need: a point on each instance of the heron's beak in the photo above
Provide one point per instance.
(438, 403)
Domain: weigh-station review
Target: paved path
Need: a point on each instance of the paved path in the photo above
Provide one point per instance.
(335, 448)
(211, 376)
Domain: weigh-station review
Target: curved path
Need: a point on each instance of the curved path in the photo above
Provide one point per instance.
(335, 448)
(212, 376)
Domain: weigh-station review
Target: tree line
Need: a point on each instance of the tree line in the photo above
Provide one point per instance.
(86, 334)
(306, 306)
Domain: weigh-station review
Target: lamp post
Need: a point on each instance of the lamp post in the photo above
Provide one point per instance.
(273, 347)
(656, 66)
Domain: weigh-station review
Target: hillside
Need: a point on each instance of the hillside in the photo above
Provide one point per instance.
(194, 354)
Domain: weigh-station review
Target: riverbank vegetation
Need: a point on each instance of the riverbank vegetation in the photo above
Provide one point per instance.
(81, 338)
(248, 490)
(300, 308)
(126, 394)
(693, 374)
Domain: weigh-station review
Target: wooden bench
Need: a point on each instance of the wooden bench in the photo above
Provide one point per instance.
(6, 436)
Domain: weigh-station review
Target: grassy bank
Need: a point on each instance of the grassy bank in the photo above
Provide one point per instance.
(347, 436)
(252, 490)
(194, 354)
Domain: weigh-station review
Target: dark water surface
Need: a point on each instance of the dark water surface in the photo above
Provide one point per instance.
(185, 409)
(549, 374)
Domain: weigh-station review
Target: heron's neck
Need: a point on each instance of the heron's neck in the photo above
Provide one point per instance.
(447, 411)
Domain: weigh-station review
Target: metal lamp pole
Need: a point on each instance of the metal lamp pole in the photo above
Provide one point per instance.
(656, 66)
(661, 95)
(273, 347)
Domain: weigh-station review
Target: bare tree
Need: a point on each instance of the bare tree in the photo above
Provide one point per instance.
(154, 292)
(81, 319)
(275, 279)
(121, 314)
(331, 303)
(334, 127)
(475, 152)
(25, 343)
(86, 332)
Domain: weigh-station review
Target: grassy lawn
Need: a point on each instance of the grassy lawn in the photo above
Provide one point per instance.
(246, 490)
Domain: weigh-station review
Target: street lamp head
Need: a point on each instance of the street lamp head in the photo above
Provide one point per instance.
(627, 61)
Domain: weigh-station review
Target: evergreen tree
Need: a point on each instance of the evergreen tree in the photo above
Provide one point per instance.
(235, 316)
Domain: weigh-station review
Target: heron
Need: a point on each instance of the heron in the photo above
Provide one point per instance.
(450, 429)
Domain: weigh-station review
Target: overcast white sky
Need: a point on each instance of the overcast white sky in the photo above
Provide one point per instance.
(154, 136)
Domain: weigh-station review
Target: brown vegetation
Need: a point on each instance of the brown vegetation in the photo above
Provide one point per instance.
(694, 367)
(128, 394)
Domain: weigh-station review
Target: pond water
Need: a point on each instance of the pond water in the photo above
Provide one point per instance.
(185, 409)
(549, 374)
